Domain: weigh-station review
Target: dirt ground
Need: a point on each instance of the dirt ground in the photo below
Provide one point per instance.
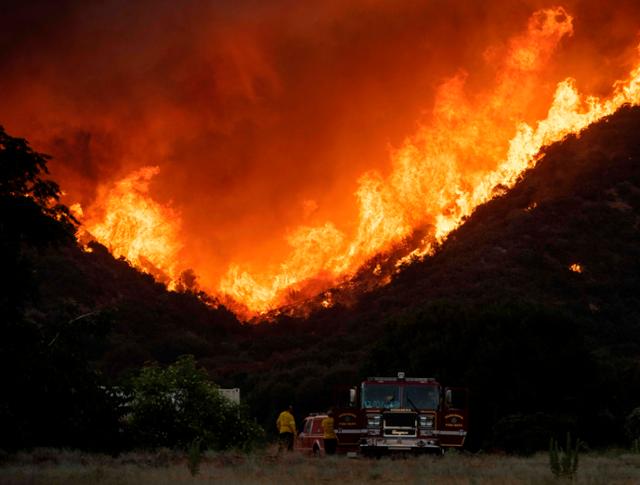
(268, 466)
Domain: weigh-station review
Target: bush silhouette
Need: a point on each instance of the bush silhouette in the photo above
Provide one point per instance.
(177, 405)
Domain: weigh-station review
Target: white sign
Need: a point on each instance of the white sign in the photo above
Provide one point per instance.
(232, 395)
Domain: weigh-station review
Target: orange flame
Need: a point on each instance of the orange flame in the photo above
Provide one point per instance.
(433, 181)
(136, 227)
(470, 149)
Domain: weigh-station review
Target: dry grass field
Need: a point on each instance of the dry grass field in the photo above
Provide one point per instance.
(164, 467)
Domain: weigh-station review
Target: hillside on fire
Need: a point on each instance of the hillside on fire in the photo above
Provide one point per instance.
(532, 304)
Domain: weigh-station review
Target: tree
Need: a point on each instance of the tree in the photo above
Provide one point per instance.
(54, 396)
(30, 217)
(29, 204)
(178, 405)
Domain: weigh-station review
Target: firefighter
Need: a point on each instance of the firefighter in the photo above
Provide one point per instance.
(287, 428)
(329, 435)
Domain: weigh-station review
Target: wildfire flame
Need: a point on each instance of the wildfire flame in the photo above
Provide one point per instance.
(470, 149)
(134, 226)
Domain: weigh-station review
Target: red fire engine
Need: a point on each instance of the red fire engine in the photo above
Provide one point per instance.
(388, 414)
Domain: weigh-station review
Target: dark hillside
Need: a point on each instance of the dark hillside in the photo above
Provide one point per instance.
(544, 344)
(498, 308)
(148, 322)
(579, 205)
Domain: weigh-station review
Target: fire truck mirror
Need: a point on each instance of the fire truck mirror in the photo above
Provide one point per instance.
(352, 397)
(448, 398)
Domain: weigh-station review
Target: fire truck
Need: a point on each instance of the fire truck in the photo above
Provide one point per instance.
(401, 414)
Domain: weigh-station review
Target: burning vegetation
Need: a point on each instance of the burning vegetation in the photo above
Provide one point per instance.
(484, 126)
(134, 226)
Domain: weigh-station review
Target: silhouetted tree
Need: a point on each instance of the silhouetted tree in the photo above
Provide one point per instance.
(52, 394)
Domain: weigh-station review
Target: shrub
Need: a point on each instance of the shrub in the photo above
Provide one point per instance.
(178, 405)
(632, 424)
(564, 462)
(194, 457)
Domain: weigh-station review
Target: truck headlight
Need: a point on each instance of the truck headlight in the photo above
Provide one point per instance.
(373, 421)
(426, 421)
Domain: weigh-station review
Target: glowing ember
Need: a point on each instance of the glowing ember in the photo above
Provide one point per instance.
(576, 268)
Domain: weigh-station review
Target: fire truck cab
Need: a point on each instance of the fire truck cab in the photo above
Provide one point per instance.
(404, 414)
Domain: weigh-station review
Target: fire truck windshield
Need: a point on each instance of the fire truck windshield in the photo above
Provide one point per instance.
(421, 397)
(380, 396)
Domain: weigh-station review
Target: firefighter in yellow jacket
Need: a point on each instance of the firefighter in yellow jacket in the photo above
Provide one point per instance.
(287, 428)
(329, 435)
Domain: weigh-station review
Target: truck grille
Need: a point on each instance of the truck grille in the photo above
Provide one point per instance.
(399, 424)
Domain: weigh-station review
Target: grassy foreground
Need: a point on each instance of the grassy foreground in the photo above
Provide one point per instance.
(69, 467)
